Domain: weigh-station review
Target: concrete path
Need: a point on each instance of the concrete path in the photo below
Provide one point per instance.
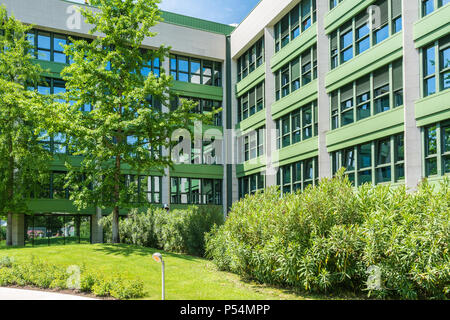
(21, 294)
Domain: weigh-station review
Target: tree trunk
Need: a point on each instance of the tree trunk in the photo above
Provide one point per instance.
(115, 220)
(10, 192)
(115, 226)
(9, 230)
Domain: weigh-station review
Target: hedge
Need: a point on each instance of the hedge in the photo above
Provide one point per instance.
(331, 237)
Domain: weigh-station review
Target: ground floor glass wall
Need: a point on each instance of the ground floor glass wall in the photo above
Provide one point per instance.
(57, 229)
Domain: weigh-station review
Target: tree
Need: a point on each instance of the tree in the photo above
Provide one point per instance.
(126, 125)
(23, 161)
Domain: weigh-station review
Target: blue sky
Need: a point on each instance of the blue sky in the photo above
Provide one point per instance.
(223, 11)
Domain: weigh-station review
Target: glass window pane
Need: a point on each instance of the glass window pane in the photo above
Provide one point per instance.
(384, 174)
(365, 158)
(183, 65)
(384, 152)
(430, 61)
(431, 141)
(44, 40)
(381, 34)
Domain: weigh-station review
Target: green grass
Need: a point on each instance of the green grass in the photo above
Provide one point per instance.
(187, 277)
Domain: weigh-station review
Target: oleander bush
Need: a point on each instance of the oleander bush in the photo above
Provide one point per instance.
(181, 231)
(40, 274)
(326, 239)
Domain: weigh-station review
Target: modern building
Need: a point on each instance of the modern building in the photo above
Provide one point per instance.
(307, 87)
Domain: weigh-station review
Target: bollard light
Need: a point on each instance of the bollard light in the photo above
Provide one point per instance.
(158, 258)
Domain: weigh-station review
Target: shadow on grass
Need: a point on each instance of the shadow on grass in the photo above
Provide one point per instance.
(338, 295)
(127, 250)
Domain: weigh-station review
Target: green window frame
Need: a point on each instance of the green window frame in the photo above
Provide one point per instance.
(376, 162)
(334, 3)
(56, 143)
(376, 92)
(147, 188)
(251, 102)
(298, 176)
(354, 37)
(251, 184)
(195, 191)
(435, 68)
(429, 6)
(253, 144)
(296, 73)
(294, 23)
(194, 70)
(298, 125)
(251, 59)
(204, 106)
(436, 144)
(48, 46)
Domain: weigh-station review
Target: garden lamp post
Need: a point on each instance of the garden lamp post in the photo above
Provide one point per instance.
(158, 258)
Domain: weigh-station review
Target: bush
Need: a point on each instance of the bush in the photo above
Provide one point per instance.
(40, 274)
(326, 238)
(181, 231)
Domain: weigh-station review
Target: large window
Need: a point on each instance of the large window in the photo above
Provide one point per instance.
(251, 102)
(437, 149)
(195, 191)
(334, 3)
(297, 73)
(147, 188)
(251, 59)
(49, 46)
(436, 67)
(252, 144)
(251, 184)
(203, 106)
(354, 37)
(299, 125)
(57, 229)
(193, 70)
(298, 20)
(298, 175)
(151, 67)
(378, 161)
(429, 5)
(367, 96)
(55, 143)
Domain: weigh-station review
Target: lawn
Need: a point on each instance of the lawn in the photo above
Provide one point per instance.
(187, 277)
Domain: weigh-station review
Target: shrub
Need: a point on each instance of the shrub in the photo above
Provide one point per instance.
(40, 274)
(181, 231)
(325, 239)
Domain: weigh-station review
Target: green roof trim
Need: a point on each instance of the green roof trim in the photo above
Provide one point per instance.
(195, 23)
(186, 21)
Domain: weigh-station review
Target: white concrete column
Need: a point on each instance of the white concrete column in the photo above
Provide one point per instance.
(165, 183)
(411, 92)
(269, 99)
(232, 147)
(323, 63)
(230, 187)
(96, 228)
(18, 225)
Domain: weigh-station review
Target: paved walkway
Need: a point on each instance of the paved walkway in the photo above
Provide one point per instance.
(20, 294)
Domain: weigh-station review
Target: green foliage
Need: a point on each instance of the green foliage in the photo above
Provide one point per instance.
(125, 123)
(41, 274)
(325, 239)
(181, 231)
(22, 159)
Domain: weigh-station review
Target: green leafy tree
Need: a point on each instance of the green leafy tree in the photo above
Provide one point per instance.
(23, 161)
(126, 125)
